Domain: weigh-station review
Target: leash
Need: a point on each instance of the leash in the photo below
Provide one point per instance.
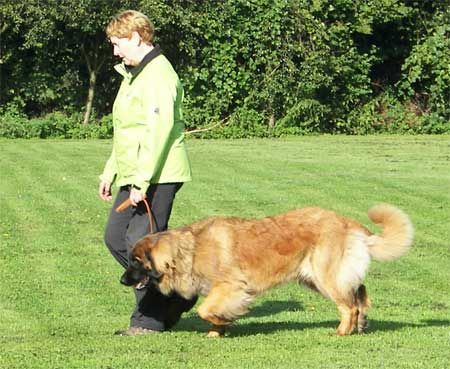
(127, 203)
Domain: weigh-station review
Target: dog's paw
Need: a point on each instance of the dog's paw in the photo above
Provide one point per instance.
(214, 334)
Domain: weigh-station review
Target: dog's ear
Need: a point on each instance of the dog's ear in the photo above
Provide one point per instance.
(138, 253)
(141, 248)
(151, 240)
(153, 272)
(155, 253)
(164, 253)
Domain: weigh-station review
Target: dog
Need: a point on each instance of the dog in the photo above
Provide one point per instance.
(231, 261)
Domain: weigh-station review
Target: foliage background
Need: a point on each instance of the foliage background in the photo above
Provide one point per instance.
(257, 67)
(60, 296)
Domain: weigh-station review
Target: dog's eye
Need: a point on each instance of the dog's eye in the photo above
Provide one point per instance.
(135, 264)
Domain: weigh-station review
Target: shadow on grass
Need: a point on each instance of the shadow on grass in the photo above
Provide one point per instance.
(436, 323)
(385, 325)
(241, 328)
(250, 329)
(274, 307)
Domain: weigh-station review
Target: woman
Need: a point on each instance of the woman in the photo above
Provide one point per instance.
(148, 159)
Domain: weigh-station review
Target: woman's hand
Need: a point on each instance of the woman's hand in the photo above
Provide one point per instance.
(136, 196)
(104, 191)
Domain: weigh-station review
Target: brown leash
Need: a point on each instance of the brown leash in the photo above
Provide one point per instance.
(127, 203)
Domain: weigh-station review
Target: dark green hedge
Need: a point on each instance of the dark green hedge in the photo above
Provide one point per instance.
(250, 67)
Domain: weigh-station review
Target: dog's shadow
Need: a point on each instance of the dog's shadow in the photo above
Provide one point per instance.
(270, 308)
(274, 307)
(250, 329)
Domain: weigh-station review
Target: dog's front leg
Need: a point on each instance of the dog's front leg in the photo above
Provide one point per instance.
(224, 303)
(209, 312)
(216, 331)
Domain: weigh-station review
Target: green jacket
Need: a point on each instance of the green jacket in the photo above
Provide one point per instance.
(148, 143)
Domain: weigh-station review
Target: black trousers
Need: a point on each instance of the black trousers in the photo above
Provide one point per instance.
(124, 229)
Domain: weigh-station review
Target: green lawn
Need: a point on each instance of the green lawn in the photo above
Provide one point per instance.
(60, 297)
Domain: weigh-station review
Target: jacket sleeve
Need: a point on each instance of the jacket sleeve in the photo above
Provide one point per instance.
(110, 170)
(159, 102)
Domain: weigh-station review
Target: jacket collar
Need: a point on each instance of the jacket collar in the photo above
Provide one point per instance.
(132, 72)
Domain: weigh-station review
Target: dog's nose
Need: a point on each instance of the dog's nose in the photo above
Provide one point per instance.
(126, 280)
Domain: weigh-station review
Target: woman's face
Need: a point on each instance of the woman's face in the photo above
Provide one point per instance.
(126, 49)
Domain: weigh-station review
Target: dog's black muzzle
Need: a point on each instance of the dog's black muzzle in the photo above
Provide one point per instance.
(131, 277)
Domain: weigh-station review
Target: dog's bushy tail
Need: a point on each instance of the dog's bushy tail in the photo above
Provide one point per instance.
(396, 237)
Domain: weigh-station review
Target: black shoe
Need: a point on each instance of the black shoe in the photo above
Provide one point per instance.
(177, 306)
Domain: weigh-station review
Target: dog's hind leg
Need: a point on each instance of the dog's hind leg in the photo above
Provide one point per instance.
(347, 290)
(353, 311)
(224, 303)
(363, 307)
(353, 306)
(349, 316)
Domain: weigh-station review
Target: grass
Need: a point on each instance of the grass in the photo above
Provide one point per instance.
(60, 299)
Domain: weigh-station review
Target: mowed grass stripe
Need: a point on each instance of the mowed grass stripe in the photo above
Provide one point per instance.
(49, 260)
(336, 168)
(68, 319)
(344, 185)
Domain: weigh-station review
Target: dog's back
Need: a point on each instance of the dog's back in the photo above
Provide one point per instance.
(266, 252)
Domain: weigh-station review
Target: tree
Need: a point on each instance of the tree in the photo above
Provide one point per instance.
(426, 70)
(86, 20)
(59, 48)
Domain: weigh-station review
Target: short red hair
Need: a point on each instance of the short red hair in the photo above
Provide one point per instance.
(129, 21)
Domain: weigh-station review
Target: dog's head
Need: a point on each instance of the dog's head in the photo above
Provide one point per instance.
(149, 261)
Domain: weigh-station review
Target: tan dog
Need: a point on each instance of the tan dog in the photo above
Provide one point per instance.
(231, 261)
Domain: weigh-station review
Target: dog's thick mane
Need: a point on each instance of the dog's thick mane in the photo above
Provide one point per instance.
(181, 243)
(183, 278)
